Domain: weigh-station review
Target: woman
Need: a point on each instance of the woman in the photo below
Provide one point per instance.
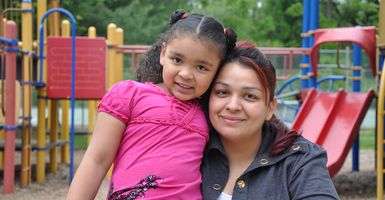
(251, 154)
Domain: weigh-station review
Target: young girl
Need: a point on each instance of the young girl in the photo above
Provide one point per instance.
(251, 154)
(155, 134)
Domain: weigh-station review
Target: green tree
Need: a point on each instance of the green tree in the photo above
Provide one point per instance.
(348, 13)
(265, 22)
(142, 20)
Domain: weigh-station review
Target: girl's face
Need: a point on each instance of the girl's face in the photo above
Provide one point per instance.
(237, 106)
(189, 65)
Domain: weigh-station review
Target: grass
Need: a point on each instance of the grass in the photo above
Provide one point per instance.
(367, 139)
(81, 142)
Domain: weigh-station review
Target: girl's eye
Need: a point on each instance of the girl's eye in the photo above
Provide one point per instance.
(176, 60)
(201, 68)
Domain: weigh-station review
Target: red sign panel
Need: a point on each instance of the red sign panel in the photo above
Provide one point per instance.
(90, 68)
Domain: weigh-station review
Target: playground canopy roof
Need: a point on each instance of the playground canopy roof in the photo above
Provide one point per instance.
(363, 36)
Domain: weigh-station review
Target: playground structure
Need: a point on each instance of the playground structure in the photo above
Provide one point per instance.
(55, 83)
(333, 119)
(325, 117)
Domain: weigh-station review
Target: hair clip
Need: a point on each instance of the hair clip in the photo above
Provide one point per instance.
(184, 16)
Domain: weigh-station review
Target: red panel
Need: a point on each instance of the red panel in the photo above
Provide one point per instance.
(90, 81)
(9, 103)
(365, 37)
(332, 120)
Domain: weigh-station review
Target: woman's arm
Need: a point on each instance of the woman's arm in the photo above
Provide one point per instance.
(98, 158)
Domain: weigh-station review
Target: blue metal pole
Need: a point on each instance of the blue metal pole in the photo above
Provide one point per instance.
(41, 84)
(356, 88)
(305, 42)
(314, 12)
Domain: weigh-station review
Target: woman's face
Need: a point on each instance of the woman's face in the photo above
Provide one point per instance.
(237, 106)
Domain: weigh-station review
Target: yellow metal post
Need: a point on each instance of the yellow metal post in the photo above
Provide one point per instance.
(381, 108)
(4, 27)
(119, 55)
(111, 71)
(111, 42)
(54, 108)
(380, 137)
(53, 136)
(41, 103)
(53, 29)
(65, 104)
(91, 103)
(48, 120)
(26, 27)
(54, 18)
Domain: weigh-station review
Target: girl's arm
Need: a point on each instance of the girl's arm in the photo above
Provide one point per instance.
(98, 158)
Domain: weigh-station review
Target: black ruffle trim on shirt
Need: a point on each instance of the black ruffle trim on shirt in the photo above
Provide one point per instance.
(131, 193)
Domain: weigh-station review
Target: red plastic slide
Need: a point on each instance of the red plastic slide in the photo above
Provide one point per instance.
(332, 120)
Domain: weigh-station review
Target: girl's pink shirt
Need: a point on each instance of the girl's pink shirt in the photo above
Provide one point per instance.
(165, 137)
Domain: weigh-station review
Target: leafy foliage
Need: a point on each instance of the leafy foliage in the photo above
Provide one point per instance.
(265, 22)
(142, 20)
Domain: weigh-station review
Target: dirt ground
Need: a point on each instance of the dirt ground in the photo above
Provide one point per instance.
(350, 185)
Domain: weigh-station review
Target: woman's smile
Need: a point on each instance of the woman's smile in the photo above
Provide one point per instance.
(231, 120)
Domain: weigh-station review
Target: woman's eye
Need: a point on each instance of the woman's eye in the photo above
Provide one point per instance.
(221, 93)
(251, 97)
(202, 68)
